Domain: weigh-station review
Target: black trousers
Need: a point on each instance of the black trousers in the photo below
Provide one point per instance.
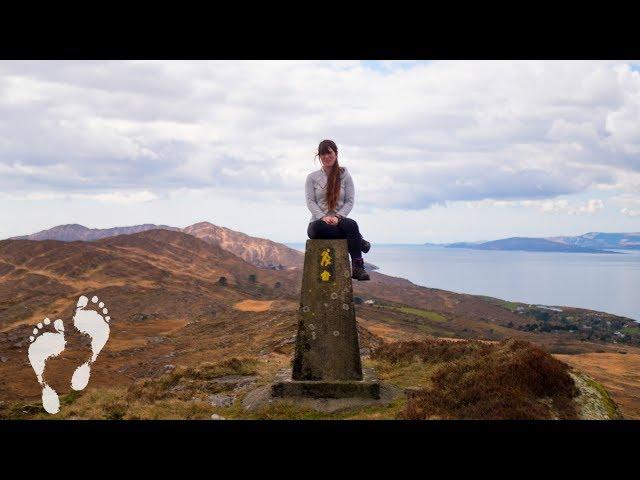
(346, 228)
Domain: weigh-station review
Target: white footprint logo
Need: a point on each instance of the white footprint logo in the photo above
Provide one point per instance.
(91, 323)
(45, 345)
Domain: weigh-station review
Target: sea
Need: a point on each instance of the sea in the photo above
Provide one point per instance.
(603, 282)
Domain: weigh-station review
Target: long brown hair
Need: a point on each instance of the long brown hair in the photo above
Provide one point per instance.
(333, 178)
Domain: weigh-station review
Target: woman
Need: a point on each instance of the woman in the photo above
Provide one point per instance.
(330, 196)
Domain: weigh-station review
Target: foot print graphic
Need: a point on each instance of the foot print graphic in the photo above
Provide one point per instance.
(96, 326)
(45, 345)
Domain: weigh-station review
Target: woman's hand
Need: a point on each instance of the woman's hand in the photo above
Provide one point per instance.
(330, 219)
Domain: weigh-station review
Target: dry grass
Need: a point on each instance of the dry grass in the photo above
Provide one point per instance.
(619, 373)
(186, 383)
(253, 305)
(180, 394)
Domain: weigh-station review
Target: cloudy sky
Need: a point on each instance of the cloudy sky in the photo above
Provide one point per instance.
(438, 151)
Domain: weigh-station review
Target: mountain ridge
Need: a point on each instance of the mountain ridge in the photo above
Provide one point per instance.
(529, 244)
(591, 242)
(261, 252)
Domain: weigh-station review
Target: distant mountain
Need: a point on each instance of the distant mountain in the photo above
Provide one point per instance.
(620, 241)
(592, 242)
(260, 252)
(73, 232)
(527, 244)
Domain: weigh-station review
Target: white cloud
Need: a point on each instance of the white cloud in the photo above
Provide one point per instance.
(589, 207)
(120, 198)
(413, 134)
(117, 197)
(629, 204)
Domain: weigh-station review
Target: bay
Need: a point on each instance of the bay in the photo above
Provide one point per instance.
(602, 282)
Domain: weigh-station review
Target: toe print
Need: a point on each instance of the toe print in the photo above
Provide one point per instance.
(45, 345)
(92, 323)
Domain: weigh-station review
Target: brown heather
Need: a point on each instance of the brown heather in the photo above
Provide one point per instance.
(511, 379)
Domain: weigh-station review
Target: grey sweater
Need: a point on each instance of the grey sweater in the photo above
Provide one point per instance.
(316, 193)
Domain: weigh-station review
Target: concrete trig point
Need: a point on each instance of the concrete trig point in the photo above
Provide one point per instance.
(327, 354)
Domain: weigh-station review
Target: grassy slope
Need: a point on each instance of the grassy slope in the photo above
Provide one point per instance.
(464, 379)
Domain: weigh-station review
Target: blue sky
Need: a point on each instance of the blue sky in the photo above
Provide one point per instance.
(439, 151)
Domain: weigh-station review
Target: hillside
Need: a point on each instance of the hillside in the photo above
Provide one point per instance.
(170, 309)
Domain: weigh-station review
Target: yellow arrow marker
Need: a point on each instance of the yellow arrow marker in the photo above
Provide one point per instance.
(326, 258)
(325, 276)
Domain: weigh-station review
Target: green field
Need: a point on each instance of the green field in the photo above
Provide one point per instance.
(501, 303)
(428, 314)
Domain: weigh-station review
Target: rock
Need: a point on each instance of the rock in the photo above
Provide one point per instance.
(3, 359)
(243, 386)
(215, 416)
(139, 317)
(233, 380)
(594, 402)
(221, 400)
(286, 341)
(169, 368)
(158, 339)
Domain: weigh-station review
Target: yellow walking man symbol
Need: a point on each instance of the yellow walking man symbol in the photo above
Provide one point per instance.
(325, 261)
(325, 258)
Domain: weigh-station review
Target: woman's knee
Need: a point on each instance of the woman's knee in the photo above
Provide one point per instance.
(311, 231)
(348, 224)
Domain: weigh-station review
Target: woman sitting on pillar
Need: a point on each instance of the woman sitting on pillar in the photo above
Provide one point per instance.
(330, 195)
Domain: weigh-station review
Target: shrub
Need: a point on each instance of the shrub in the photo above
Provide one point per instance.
(475, 380)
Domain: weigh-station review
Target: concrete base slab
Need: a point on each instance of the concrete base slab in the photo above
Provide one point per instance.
(285, 386)
(261, 397)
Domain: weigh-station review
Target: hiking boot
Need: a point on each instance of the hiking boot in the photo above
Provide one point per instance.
(359, 273)
(365, 246)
